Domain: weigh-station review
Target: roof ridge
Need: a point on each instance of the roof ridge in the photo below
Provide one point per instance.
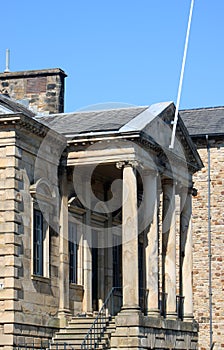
(201, 109)
(91, 111)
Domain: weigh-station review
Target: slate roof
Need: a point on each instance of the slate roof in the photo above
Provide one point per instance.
(71, 124)
(204, 121)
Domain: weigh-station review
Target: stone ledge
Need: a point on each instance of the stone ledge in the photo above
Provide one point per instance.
(40, 279)
(32, 73)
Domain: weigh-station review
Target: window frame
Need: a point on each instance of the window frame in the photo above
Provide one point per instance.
(73, 252)
(38, 243)
(44, 272)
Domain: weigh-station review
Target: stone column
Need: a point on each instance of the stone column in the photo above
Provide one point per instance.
(87, 264)
(186, 257)
(80, 255)
(151, 249)
(63, 311)
(169, 247)
(101, 268)
(130, 238)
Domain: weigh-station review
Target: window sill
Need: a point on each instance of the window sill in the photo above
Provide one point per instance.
(40, 278)
(76, 286)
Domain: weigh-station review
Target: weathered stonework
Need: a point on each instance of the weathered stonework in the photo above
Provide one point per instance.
(48, 175)
(140, 332)
(43, 90)
(201, 259)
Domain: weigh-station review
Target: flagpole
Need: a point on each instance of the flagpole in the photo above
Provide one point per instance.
(181, 76)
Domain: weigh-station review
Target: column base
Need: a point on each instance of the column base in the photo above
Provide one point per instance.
(188, 318)
(64, 316)
(130, 309)
(153, 313)
(171, 316)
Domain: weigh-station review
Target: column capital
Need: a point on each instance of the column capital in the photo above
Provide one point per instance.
(187, 190)
(129, 163)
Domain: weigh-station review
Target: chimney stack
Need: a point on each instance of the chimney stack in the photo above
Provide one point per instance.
(43, 90)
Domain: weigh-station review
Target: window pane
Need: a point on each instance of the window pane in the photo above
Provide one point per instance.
(38, 243)
(72, 246)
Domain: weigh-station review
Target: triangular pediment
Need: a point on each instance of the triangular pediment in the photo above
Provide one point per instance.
(155, 124)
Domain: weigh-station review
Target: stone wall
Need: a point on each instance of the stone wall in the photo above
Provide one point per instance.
(200, 234)
(29, 304)
(10, 241)
(41, 90)
(134, 331)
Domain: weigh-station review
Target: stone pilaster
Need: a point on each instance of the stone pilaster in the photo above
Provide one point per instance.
(101, 269)
(87, 254)
(63, 311)
(186, 260)
(151, 249)
(169, 247)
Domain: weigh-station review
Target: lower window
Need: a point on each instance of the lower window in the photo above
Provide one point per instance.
(38, 243)
(72, 247)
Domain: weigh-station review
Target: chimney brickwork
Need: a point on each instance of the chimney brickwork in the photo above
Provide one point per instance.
(43, 89)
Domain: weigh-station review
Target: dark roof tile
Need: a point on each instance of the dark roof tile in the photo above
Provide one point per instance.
(204, 121)
(91, 121)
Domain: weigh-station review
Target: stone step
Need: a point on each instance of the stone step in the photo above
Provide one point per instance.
(73, 335)
(82, 320)
(75, 330)
(73, 346)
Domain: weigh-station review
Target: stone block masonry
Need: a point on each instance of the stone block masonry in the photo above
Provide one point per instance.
(42, 90)
(201, 260)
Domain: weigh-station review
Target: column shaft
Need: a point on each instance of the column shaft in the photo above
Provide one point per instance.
(169, 247)
(186, 264)
(130, 240)
(87, 264)
(63, 254)
(151, 249)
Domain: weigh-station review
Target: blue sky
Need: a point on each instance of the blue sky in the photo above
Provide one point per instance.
(125, 51)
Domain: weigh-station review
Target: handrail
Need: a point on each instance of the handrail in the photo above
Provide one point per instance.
(98, 327)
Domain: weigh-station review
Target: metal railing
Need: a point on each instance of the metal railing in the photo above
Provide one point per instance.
(180, 306)
(143, 299)
(162, 303)
(111, 306)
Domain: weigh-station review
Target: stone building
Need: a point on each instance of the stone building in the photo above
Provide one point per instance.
(95, 214)
(206, 127)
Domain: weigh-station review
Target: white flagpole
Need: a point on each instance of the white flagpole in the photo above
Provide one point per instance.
(181, 76)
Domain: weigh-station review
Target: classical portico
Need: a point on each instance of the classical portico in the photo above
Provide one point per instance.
(97, 203)
(127, 191)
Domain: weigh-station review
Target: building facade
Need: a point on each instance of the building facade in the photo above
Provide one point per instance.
(95, 207)
(206, 127)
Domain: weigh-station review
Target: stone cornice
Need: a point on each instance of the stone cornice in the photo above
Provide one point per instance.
(164, 154)
(32, 73)
(31, 125)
